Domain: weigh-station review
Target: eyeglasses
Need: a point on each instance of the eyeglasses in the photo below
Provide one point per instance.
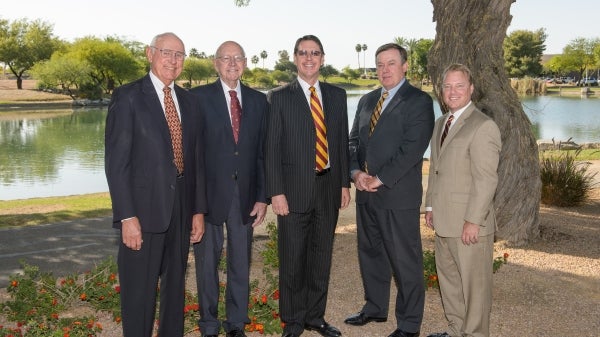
(313, 53)
(228, 59)
(168, 53)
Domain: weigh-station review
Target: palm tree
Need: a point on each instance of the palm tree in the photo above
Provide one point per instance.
(254, 60)
(358, 48)
(263, 56)
(364, 49)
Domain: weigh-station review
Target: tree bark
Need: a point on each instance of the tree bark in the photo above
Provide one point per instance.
(471, 32)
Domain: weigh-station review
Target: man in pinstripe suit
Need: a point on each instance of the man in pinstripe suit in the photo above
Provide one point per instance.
(306, 199)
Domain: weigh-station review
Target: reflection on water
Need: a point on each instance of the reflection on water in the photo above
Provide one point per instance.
(47, 156)
(52, 153)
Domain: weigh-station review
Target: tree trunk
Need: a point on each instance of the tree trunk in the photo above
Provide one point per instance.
(471, 32)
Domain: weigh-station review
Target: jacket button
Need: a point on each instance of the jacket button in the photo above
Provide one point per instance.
(436, 172)
(235, 153)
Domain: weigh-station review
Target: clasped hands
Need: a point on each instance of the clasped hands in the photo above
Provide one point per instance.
(365, 182)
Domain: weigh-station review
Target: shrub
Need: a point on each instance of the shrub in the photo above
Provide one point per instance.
(565, 182)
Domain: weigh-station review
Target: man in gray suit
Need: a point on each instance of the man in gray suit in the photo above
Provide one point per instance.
(465, 151)
(307, 181)
(234, 130)
(390, 134)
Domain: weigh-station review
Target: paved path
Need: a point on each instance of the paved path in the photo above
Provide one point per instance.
(62, 248)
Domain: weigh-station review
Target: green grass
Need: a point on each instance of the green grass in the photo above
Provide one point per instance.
(37, 211)
(587, 154)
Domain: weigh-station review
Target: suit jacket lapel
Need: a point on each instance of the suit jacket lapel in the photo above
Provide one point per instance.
(460, 122)
(394, 101)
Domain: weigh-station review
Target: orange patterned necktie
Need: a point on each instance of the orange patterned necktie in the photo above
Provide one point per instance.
(446, 128)
(319, 119)
(236, 114)
(377, 112)
(174, 129)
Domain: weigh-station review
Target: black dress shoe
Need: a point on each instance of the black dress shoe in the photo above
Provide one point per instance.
(210, 335)
(324, 329)
(439, 334)
(236, 333)
(402, 333)
(361, 319)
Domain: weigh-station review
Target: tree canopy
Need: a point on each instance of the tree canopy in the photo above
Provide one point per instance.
(523, 52)
(23, 43)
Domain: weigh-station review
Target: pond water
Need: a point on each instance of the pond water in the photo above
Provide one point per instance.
(61, 152)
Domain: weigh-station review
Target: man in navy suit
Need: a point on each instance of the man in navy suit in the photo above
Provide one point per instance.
(235, 181)
(158, 199)
(386, 149)
(307, 187)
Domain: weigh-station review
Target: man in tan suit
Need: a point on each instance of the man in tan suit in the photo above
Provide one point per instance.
(465, 150)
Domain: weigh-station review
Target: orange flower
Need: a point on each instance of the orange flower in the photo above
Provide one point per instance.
(54, 315)
(118, 319)
(83, 297)
(112, 277)
(14, 283)
(118, 289)
(276, 294)
(264, 299)
(505, 256)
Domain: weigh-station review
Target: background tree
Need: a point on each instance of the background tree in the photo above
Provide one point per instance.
(364, 49)
(417, 51)
(284, 64)
(420, 58)
(195, 70)
(358, 48)
(350, 74)
(110, 62)
(254, 60)
(61, 71)
(23, 43)
(281, 76)
(471, 32)
(578, 55)
(523, 50)
(194, 53)
(263, 56)
(327, 71)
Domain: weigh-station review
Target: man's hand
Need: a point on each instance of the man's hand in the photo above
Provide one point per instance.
(470, 233)
(280, 205)
(345, 197)
(360, 179)
(429, 219)
(259, 209)
(372, 184)
(131, 233)
(197, 228)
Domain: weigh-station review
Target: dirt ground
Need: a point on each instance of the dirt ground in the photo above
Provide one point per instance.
(550, 287)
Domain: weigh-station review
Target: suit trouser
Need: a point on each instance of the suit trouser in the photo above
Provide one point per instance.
(465, 276)
(389, 243)
(207, 255)
(305, 243)
(164, 256)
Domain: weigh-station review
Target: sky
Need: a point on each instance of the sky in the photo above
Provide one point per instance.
(274, 25)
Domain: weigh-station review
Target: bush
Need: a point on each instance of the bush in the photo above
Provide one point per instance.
(565, 182)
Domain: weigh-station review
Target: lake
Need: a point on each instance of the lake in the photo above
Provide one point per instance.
(61, 152)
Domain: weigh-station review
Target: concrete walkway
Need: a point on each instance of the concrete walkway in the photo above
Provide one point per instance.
(62, 248)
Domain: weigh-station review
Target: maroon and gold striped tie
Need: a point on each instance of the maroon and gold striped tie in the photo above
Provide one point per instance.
(321, 130)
